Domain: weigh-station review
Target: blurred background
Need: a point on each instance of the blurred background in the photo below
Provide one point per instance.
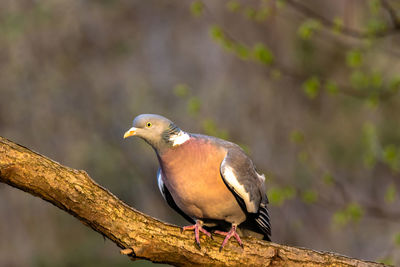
(308, 88)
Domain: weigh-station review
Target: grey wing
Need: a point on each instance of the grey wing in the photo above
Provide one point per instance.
(241, 177)
(168, 197)
(239, 174)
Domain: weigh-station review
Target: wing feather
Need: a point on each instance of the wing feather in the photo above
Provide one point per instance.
(241, 177)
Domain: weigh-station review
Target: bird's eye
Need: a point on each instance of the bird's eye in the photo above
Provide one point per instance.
(148, 125)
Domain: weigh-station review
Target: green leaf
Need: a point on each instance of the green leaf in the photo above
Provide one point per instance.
(309, 196)
(194, 105)
(242, 51)
(390, 153)
(197, 8)
(289, 192)
(233, 6)
(376, 80)
(352, 213)
(216, 33)
(391, 156)
(311, 87)
(331, 87)
(275, 196)
(355, 212)
(337, 25)
(308, 28)
(297, 137)
(250, 12)
(394, 85)
(263, 14)
(354, 58)
(359, 79)
(228, 44)
(375, 26)
(262, 54)
(340, 218)
(374, 6)
(373, 101)
(181, 90)
(278, 195)
(328, 179)
(390, 194)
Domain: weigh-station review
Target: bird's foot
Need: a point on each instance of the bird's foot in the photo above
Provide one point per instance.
(228, 235)
(198, 227)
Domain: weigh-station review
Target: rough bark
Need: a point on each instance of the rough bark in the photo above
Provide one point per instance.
(140, 235)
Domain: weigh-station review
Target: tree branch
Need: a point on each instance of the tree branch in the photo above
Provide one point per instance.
(392, 13)
(306, 11)
(140, 235)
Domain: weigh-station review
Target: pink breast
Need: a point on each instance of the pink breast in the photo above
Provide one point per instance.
(192, 175)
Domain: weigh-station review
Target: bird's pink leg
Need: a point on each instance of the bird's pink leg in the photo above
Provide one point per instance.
(198, 227)
(228, 235)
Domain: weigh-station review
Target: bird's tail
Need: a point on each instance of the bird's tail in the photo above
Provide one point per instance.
(263, 221)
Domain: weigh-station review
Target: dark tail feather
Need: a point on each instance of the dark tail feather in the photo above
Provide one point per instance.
(263, 221)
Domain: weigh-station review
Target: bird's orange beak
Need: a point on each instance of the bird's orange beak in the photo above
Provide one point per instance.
(130, 132)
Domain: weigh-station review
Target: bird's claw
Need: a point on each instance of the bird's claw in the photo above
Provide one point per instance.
(228, 235)
(197, 229)
(198, 245)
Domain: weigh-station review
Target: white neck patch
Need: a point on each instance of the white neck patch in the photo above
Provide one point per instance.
(179, 139)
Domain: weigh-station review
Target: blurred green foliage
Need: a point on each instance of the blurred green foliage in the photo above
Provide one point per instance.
(278, 195)
(391, 156)
(331, 87)
(297, 137)
(354, 58)
(337, 25)
(311, 87)
(352, 213)
(263, 54)
(308, 28)
(197, 8)
(327, 178)
(391, 193)
(181, 90)
(233, 5)
(309, 196)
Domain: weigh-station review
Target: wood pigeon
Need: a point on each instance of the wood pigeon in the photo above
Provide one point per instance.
(209, 181)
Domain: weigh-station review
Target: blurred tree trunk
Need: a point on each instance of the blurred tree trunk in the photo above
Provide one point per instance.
(139, 235)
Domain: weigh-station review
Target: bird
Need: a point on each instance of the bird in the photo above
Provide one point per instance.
(209, 181)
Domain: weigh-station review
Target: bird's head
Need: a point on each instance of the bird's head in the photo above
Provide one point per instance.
(156, 130)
